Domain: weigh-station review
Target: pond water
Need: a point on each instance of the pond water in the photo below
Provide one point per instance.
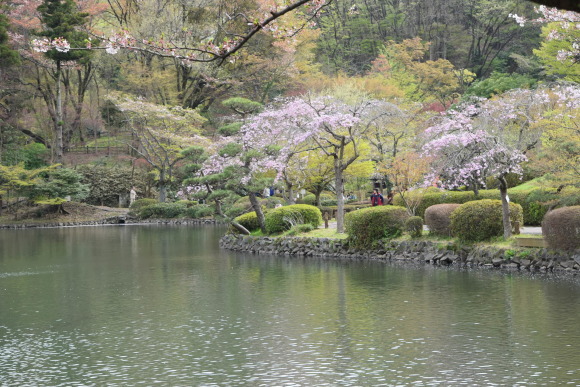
(147, 305)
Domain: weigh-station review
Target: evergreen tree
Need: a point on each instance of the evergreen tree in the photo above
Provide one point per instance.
(8, 56)
(61, 20)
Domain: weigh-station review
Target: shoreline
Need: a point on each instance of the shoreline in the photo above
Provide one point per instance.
(114, 221)
(416, 252)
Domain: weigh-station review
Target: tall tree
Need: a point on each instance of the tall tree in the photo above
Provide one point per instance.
(60, 20)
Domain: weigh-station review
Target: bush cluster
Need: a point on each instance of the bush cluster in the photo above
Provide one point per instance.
(481, 220)
(561, 228)
(311, 199)
(367, 226)
(162, 210)
(198, 211)
(187, 203)
(283, 218)
(438, 218)
(535, 202)
(300, 228)
(140, 203)
(106, 184)
(414, 226)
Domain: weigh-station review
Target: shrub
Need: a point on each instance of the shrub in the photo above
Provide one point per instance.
(162, 211)
(187, 203)
(328, 202)
(140, 203)
(249, 221)
(108, 183)
(481, 220)
(198, 211)
(273, 201)
(414, 226)
(300, 228)
(438, 218)
(311, 199)
(561, 228)
(535, 202)
(369, 225)
(283, 218)
(244, 201)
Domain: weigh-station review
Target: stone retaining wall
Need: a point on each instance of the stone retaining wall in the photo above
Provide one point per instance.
(423, 252)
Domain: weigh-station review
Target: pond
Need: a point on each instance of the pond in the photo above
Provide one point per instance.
(147, 305)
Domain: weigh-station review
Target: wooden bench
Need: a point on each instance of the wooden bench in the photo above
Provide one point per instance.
(530, 242)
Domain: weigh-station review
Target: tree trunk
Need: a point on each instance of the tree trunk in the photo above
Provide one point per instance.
(475, 188)
(317, 198)
(59, 119)
(162, 187)
(236, 225)
(505, 207)
(258, 208)
(290, 193)
(339, 200)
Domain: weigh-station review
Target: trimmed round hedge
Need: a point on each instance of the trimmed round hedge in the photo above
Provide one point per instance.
(283, 218)
(561, 228)
(481, 220)
(249, 220)
(369, 225)
(438, 218)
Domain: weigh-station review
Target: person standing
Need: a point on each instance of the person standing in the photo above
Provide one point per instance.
(132, 196)
(376, 198)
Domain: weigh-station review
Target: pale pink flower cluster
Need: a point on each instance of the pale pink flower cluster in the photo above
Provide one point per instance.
(45, 45)
(287, 128)
(490, 139)
(567, 20)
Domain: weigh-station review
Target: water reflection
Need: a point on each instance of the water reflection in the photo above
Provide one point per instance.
(163, 305)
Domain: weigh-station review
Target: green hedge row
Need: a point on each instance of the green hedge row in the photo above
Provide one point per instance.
(183, 208)
(535, 203)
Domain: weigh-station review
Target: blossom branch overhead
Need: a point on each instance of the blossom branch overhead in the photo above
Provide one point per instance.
(209, 52)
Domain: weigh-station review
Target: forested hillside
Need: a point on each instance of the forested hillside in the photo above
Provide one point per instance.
(127, 87)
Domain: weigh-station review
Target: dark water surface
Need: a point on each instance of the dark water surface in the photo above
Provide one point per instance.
(147, 305)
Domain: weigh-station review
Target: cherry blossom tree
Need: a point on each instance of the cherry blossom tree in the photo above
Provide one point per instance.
(335, 125)
(483, 138)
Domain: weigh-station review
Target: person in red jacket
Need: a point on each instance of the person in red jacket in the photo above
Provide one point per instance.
(376, 198)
